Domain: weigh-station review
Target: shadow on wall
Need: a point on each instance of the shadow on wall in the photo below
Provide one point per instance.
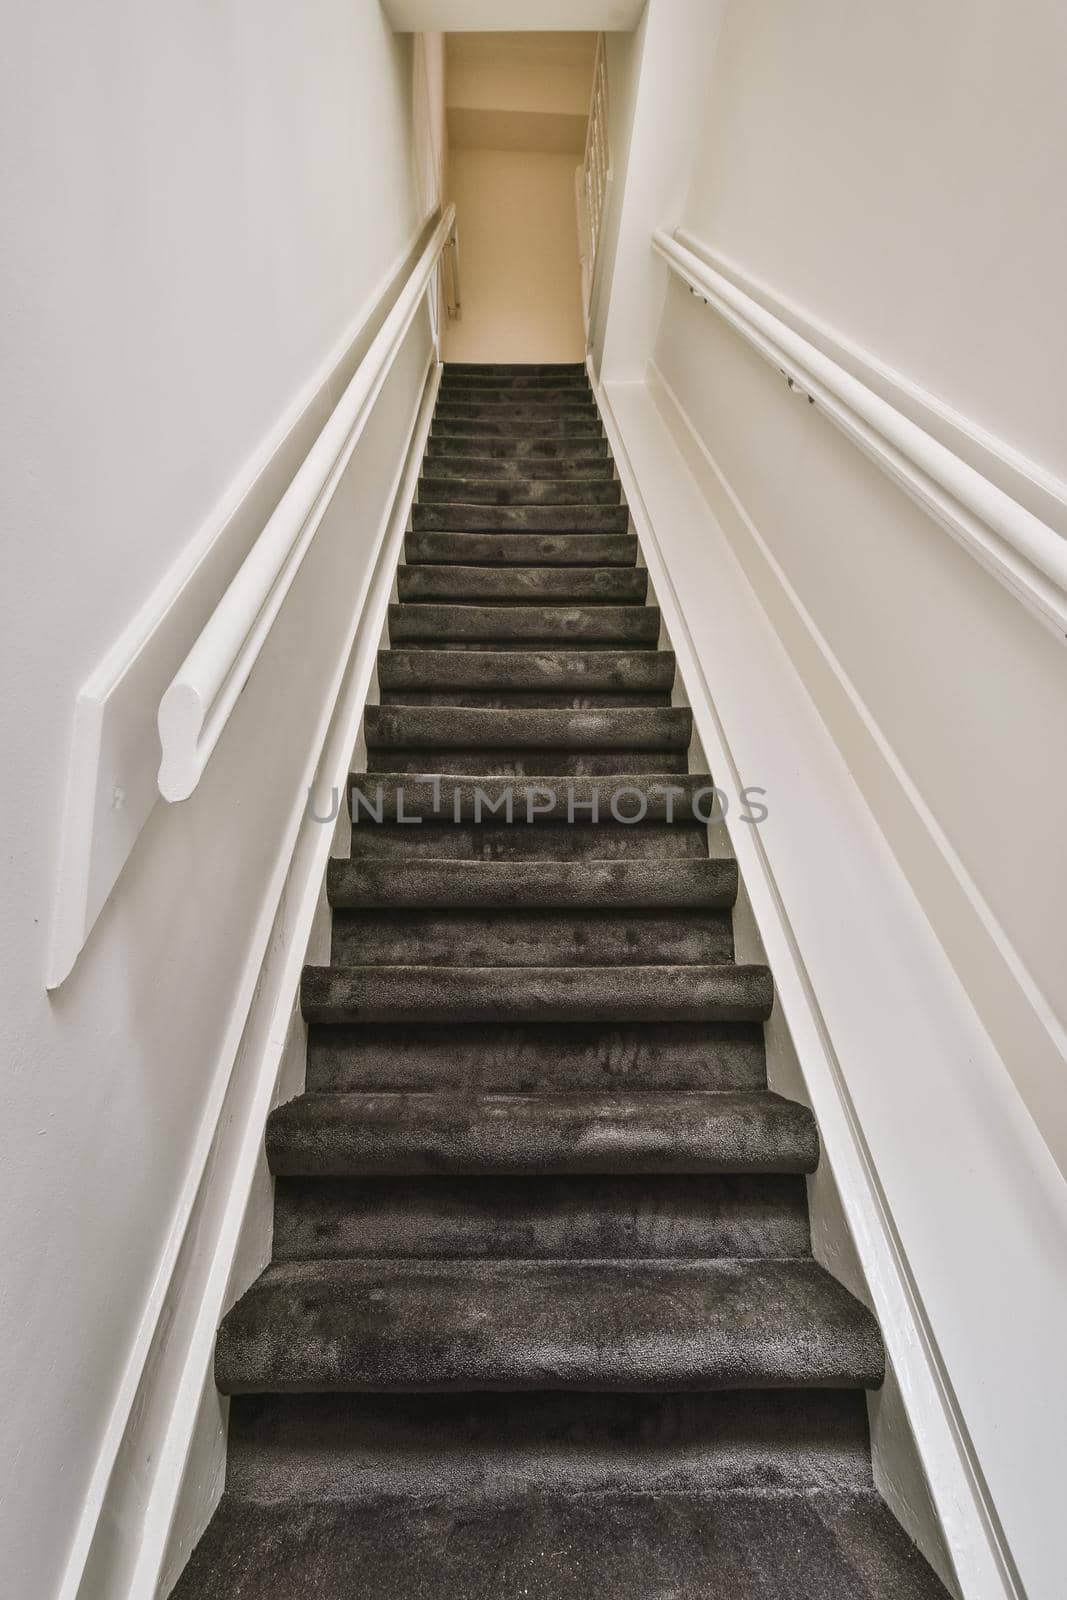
(517, 108)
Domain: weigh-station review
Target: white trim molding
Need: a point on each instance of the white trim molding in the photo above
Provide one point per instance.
(1022, 551)
(956, 1207)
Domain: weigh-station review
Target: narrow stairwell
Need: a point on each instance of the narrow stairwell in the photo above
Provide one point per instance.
(542, 1317)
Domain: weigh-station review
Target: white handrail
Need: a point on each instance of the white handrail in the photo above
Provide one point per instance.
(197, 704)
(1021, 550)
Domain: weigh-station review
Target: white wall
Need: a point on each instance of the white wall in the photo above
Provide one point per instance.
(881, 178)
(518, 251)
(201, 199)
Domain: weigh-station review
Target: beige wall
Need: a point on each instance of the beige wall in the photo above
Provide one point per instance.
(518, 240)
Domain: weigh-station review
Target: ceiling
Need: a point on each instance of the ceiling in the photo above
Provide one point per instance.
(519, 90)
(462, 16)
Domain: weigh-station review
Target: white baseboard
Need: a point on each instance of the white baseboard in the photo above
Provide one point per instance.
(903, 1080)
(162, 1457)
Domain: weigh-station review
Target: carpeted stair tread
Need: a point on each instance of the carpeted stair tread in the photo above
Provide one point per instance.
(537, 625)
(462, 518)
(524, 1057)
(469, 1545)
(523, 549)
(519, 765)
(625, 798)
(526, 700)
(515, 585)
(548, 670)
(726, 993)
(401, 1325)
(406, 1135)
(540, 885)
(519, 491)
(441, 728)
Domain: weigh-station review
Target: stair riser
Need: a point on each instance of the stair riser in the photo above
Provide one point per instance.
(517, 492)
(455, 585)
(629, 799)
(517, 369)
(523, 549)
(480, 700)
(520, 887)
(571, 626)
(491, 841)
(570, 399)
(515, 449)
(559, 994)
(597, 1218)
(520, 519)
(519, 765)
(504, 469)
(531, 939)
(491, 427)
(522, 411)
(525, 1058)
(616, 671)
(496, 383)
(583, 731)
(333, 1449)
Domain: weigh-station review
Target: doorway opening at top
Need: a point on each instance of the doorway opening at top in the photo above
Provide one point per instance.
(517, 114)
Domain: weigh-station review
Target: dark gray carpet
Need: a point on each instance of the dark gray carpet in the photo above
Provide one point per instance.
(542, 1319)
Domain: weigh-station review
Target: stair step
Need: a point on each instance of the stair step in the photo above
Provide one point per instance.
(531, 938)
(489, 426)
(517, 447)
(367, 1447)
(520, 491)
(523, 549)
(497, 841)
(411, 1135)
(496, 402)
(354, 1326)
(506, 469)
(628, 798)
(548, 885)
(515, 1056)
(440, 728)
(726, 993)
(525, 700)
(520, 519)
(495, 383)
(516, 369)
(471, 1541)
(520, 410)
(540, 1218)
(613, 670)
(454, 625)
(525, 764)
(455, 585)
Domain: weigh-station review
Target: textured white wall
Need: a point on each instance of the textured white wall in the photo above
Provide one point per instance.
(200, 198)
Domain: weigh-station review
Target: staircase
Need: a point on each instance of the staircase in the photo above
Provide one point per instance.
(542, 1317)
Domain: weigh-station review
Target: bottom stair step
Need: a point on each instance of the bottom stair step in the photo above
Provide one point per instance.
(336, 1326)
(537, 1546)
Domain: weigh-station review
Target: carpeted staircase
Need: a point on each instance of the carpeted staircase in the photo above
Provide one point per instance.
(542, 1318)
